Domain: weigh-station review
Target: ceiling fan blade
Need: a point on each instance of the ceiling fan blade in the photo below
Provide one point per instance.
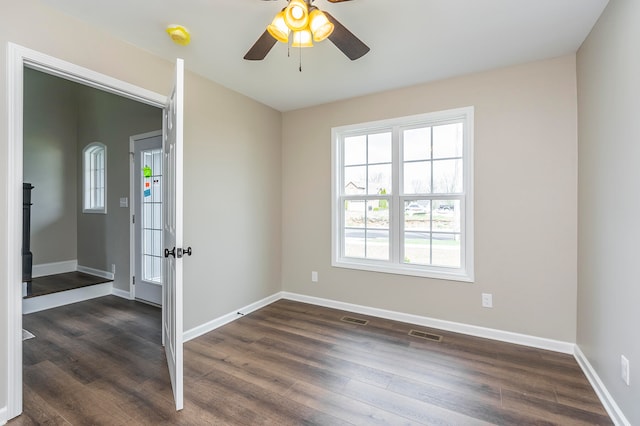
(261, 47)
(344, 40)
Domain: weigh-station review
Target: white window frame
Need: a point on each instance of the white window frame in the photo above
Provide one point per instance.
(92, 200)
(396, 198)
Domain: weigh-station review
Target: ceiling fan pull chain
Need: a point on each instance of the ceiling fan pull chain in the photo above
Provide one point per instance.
(300, 66)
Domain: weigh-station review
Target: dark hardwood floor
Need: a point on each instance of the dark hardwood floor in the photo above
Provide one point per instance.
(100, 362)
(49, 284)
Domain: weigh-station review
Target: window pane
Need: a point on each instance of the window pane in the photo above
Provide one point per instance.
(379, 179)
(355, 150)
(447, 176)
(446, 250)
(354, 243)
(378, 214)
(355, 180)
(156, 221)
(446, 215)
(147, 211)
(94, 162)
(99, 198)
(148, 268)
(417, 248)
(157, 162)
(157, 243)
(380, 148)
(417, 144)
(354, 213)
(447, 141)
(147, 241)
(417, 177)
(377, 244)
(157, 269)
(417, 215)
(156, 189)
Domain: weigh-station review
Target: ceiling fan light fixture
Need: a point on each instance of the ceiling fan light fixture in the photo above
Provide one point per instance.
(278, 28)
(296, 15)
(320, 26)
(302, 39)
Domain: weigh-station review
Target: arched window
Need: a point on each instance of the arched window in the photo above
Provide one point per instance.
(94, 176)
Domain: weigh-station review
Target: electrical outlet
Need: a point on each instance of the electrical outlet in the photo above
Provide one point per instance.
(624, 369)
(314, 276)
(487, 300)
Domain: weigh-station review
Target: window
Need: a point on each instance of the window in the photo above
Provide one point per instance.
(402, 194)
(94, 176)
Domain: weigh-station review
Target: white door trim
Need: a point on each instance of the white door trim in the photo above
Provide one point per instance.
(17, 58)
(132, 206)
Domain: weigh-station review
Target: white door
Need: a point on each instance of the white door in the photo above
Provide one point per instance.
(148, 226)
(172, 223)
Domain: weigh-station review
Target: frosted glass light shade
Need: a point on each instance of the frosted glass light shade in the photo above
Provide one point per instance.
(278, 28)
(296, 15)
(319, 25)
(302, 39)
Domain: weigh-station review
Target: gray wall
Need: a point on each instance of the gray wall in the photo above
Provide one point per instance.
(103, 239)
(525, 201)
(50, 127)
(609, 200)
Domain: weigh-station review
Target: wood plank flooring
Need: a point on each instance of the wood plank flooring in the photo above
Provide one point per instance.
(49, 284)
(100, 362)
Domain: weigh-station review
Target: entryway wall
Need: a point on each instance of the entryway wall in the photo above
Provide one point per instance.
(60, 119)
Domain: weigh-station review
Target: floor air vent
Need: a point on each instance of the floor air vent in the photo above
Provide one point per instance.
(354, 320)
(425, 335)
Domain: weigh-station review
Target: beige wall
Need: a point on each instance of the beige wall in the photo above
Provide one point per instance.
(232, 173)
(525, 201)
(609, 200)
(49, 146)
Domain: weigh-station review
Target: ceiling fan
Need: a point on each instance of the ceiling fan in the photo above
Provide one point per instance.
(300, 22)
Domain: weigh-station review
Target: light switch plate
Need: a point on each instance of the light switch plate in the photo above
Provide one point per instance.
(124, 202)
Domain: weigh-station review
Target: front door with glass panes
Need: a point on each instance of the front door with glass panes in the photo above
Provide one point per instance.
(148, 278)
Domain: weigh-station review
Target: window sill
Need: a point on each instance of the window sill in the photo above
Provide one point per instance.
(435, 273)
(95, 211)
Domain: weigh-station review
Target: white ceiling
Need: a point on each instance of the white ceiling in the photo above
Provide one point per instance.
(411, 41)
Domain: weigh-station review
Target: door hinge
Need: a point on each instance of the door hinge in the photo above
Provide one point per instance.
(133, 218)
(133, 280)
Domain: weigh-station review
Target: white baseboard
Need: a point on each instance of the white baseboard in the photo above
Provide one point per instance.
(44, 269)
(122, 293)
(472, 330)
(41, 303)
(598, 386)
(96, 272)
(3, 416)
(231, 316)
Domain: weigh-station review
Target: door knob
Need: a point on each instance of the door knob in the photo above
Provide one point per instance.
(181, 252)
(168, 253)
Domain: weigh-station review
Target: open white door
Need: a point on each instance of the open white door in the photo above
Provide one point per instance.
(172, 224)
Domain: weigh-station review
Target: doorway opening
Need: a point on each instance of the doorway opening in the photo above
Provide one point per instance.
(18, 58)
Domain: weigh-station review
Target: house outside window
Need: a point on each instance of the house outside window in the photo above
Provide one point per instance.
(402, 195)
(94, 176)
